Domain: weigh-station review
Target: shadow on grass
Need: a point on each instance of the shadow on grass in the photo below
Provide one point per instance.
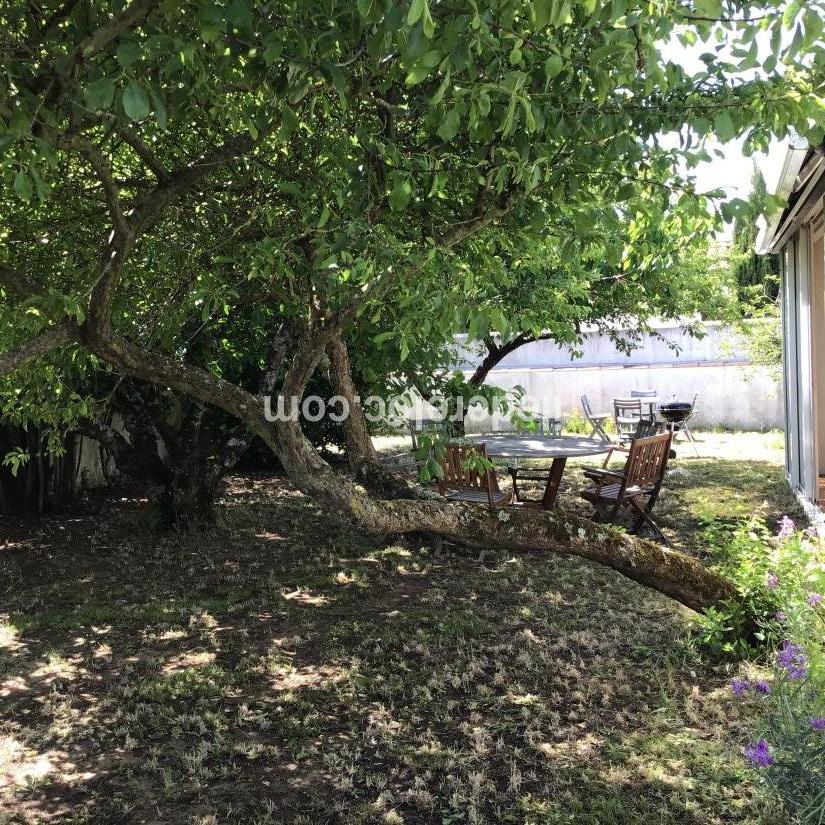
(284, 669)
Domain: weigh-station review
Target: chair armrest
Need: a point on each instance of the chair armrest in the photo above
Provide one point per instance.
(600, 474)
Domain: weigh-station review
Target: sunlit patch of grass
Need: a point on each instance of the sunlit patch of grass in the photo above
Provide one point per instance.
(207, 682)
(21, 766)
(8, 635)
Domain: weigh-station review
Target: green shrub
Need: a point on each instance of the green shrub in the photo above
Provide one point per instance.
(781, 582)
(576, 424)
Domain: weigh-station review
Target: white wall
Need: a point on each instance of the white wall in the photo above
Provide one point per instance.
(732, 393)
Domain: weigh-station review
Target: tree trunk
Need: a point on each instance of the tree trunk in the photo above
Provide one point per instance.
(495, 354)
(677, 575)
(360, 450)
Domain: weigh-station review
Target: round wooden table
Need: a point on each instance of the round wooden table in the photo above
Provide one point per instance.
(530, 445)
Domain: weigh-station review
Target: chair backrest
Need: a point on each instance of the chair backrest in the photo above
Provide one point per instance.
(643, 393)
(627, 407)
(648, 427)
(588, 410)
(647, 461)
(457, 475)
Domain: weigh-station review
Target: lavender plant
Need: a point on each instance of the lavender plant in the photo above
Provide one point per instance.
(782, 579)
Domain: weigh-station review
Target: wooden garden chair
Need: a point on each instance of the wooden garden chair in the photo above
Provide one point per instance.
(595, 420)
(461, 482)
(644, 429)
(635, 489)
(627, 412)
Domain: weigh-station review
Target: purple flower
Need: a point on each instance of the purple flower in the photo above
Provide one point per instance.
(780, 615)
(811, 532)
(771, 581)
(792, 659)
(814, 599)
(818, 723)
(740, 686)
(786, 527)
(758, 753)
(762, 686)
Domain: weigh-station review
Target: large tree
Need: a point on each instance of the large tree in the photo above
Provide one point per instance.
(316, 160)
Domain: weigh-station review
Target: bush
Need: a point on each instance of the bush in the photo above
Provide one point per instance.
(781, 580)
(576, 424)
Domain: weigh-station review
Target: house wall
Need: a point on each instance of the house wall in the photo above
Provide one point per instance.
(818, 334)
(732, 393)
(801, 342)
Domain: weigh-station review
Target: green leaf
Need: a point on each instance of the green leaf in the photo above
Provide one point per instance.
(23, 186)
(449, 126)
(325, 213)
(723, 126)
(43, 188)
(160, 109)
(100, 94)
(135, 102)
(439, 95)
(239, 14)
(709, 8)
(428, 24)
(369, 9)
(791, 12)
(422, 67)
(273, 48)
(416, 11)
(128, 53)
(543, 12)
(553, 66)
(400, 194)
(483, 104)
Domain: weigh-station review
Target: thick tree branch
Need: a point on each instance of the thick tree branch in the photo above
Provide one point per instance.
(49, 339)
(110, 438)
(103, 170)
(147, 212)
(496, 353)
(149, 158)
(360, 450)
(134, 14)
(152, 204)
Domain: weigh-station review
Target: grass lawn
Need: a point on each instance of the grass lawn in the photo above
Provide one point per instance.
(282, 668)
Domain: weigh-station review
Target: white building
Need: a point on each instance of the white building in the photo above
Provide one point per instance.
(797, 236)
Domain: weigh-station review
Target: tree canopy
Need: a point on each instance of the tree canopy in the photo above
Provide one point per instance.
(201, 194)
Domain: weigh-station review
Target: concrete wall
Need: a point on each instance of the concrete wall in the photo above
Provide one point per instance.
(732, 394)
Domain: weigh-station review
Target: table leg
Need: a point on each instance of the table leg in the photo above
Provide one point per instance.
(553, 482)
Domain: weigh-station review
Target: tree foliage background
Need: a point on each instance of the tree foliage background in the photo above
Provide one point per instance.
(204, 196)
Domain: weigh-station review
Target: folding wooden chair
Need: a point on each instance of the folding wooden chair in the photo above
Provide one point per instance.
(627, 413)
(634, 490)
(649, 399)
(463, 483)
(595, 420)
(644, 429)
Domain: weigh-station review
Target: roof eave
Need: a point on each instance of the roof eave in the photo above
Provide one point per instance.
(791, 167)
